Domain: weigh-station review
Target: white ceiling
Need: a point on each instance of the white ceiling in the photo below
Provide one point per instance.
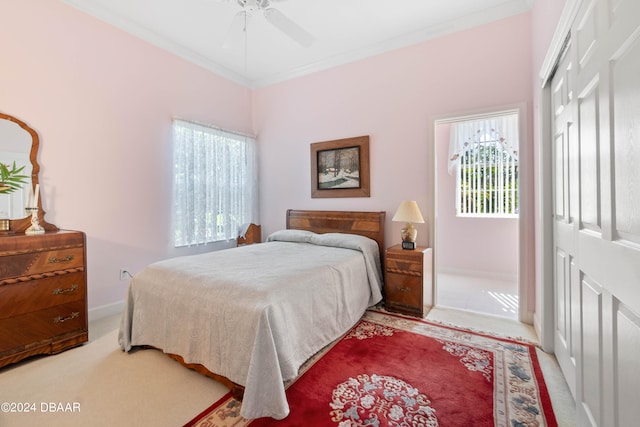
(344, 30)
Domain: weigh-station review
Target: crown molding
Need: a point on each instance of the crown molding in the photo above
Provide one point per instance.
(507, 9)
(157, 40)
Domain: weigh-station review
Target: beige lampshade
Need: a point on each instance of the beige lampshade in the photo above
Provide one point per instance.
(408, 211)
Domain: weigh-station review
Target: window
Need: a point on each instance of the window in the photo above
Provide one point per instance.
(484, 156)
(215, 183)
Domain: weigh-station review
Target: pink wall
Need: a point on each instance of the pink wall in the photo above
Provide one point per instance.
(102, 102)
(488, 246)
(393, 97)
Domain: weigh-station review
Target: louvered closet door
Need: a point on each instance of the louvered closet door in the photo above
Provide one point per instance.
(596, 180)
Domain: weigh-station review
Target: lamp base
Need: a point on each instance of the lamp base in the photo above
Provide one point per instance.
(408, 235)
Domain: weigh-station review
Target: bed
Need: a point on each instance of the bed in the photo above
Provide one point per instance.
(252, 315)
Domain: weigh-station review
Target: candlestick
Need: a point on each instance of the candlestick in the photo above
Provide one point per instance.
(35, 228)
(29, 196)
(36, 197)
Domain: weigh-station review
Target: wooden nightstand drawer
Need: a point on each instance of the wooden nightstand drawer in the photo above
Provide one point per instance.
(407, 280)
(404, 292)
(404, 267)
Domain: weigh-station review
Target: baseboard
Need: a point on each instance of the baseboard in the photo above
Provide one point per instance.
(528, 317)
(106, 310)
(537, 326)
(508, 277)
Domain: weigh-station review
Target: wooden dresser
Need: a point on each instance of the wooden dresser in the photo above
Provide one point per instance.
(407, 280)
(43, 294)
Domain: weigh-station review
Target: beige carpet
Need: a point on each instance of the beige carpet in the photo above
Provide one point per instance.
(146, 388)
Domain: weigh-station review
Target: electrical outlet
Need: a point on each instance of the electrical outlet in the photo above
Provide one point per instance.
(124, 274)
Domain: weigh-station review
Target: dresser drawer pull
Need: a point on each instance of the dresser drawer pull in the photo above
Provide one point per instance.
(54, 260)
(61, 319)
(403, 289)
(59, 291)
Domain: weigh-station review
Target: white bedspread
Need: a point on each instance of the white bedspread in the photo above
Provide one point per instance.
(255, 314)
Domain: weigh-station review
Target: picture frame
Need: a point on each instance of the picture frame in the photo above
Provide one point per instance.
(340, 168)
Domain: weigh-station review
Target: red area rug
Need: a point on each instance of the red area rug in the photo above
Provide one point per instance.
(394, 371)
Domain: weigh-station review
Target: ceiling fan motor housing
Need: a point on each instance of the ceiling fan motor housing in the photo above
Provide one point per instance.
(253, 5)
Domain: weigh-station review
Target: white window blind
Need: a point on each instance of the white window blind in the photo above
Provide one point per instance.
(215, 189)
(484, 156)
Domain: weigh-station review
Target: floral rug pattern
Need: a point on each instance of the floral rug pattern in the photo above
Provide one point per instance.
(473, 358)
(365, 330)
(379, 396)
(371, 399)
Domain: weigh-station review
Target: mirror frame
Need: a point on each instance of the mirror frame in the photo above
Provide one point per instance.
(20, 225)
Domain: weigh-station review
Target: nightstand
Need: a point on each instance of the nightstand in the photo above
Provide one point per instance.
(407, 280)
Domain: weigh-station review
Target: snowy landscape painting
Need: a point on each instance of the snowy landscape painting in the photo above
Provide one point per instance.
(340, 168)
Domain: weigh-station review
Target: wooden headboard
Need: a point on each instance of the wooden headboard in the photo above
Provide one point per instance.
(368, 224)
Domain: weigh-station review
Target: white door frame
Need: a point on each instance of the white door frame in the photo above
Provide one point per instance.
(545, 313)
(525, 218)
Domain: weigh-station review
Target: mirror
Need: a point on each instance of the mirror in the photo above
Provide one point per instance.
(19, 143)
(15, 146)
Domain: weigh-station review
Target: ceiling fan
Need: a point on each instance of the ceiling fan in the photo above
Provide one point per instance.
(273, 16)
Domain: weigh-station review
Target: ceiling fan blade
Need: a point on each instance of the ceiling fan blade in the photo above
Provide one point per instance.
(236, 31)
(287, 26)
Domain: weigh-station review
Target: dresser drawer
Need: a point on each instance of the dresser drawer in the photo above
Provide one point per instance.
(34, 295)
(38, 327)
(43, 294)
(29, 263)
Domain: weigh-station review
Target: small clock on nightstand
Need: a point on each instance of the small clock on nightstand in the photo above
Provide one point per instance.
(407, 280)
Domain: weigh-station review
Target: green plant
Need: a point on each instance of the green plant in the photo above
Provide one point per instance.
(10, 179)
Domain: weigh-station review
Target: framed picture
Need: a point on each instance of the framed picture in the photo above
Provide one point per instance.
(340, 168)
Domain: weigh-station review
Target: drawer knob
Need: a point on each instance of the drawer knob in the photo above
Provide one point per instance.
(403, 289)
(54, 260)
(59, 291)
(61, 319)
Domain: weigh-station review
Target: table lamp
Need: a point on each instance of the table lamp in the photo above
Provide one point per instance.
(409, 213)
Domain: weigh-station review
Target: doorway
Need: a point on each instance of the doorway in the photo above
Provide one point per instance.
(477, 213)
